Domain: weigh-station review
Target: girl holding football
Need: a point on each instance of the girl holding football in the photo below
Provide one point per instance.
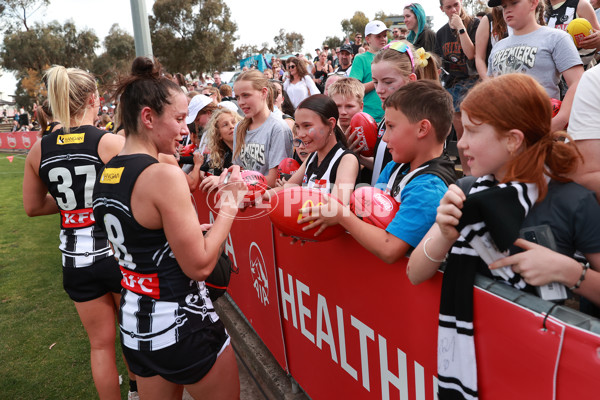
(330, 167)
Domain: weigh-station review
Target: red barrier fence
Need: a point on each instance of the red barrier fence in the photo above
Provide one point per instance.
(17, 140)
(346, 325)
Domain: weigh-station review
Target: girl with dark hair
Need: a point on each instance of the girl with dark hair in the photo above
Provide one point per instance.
(170, 333)
(419, 34)
(330, 167)
(60, 172)
(299, 84)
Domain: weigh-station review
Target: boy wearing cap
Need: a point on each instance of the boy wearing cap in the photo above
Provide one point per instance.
(376, 36)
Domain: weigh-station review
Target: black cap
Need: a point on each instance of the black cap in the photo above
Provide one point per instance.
(494, 3)
(346, 47)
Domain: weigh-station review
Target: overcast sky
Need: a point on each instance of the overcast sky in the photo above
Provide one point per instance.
(258, 21)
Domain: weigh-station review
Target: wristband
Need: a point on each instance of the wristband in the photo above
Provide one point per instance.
(460, 32)
(428, 256)
(582, 277)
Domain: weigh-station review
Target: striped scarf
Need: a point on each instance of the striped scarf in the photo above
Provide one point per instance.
(492, 216)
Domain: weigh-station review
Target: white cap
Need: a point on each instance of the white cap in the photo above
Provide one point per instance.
(198, 103)
(104, 108)
(375, 28)
(229, 105)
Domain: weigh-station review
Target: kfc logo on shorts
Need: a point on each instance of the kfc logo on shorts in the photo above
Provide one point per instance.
(144, 284)
(258, 268)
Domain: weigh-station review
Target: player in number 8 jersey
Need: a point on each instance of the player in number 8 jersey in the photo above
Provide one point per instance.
(60, 172)
(170, 334)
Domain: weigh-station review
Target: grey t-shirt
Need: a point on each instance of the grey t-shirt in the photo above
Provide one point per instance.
(544, 54)
(265, 146)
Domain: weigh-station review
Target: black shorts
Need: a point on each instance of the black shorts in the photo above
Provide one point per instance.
(185, 362)
(89, 283)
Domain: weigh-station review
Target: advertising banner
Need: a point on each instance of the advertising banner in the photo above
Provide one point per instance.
(17, 140)
(346, 325)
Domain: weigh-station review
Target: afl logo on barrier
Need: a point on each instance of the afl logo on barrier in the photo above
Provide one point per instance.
(258, 268)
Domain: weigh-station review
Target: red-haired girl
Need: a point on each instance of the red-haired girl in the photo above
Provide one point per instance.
(521, 167)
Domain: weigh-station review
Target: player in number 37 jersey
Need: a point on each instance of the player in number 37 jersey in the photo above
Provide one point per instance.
(70, 178)
(59, 178)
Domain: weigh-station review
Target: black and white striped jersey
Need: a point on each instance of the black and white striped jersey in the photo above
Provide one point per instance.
(323, 176)
(69, 165)
(160, 305)
(560, 17)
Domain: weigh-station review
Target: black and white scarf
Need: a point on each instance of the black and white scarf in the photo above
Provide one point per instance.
(492, 216)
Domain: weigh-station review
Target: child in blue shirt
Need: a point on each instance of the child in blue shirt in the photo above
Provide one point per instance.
(418, 118)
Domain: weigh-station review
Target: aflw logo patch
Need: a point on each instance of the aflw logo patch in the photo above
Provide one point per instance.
(111, 175)
(71, 138)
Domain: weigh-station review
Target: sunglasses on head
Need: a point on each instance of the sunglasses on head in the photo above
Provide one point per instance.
(402, 47)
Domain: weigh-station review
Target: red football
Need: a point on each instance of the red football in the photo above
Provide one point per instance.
(287, 167)
(285, 213)
(188, 150)
(374, 206)
(366, 128)
(555, 106)
(256, 184)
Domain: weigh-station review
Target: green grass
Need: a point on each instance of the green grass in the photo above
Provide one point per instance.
(35, 312)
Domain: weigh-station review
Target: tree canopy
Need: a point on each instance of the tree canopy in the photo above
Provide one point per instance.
(333, 42)
(16, 13)
(355, 24)
(192, 35)
(29, 53)
(119, 53)
(44, 45)
(288, 42)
